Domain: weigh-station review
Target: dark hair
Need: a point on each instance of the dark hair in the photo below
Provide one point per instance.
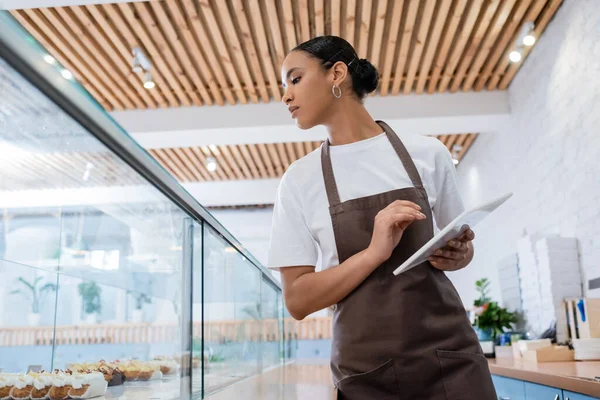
(331, 49)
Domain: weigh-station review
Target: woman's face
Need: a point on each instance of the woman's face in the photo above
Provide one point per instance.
(307, 89)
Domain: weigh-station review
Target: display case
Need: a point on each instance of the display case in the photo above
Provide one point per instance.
(108, 265)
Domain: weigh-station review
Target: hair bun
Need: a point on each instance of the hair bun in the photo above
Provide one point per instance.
(367, 75)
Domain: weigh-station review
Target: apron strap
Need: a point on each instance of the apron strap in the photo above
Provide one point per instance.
(331, 187)
(407, 161)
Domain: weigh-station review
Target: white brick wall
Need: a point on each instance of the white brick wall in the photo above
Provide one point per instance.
(549, 155)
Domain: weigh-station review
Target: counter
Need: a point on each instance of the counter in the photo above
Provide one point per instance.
(575, 376)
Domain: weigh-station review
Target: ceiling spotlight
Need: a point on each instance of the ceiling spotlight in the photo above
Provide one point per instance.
(211, 164)
(140, 61)
(49, 59)
(88, 169)
(457, 147)
(66, 74)
(515, 56)
(529, 38)
(148, 82)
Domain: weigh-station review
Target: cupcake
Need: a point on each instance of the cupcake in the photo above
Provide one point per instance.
(61, 385)
(118, 377)
(167, 367)
(131, 372)
(107, 372)
(41, 386)
(146, 373)
(79, 385)
(6, 385)
(22, 387)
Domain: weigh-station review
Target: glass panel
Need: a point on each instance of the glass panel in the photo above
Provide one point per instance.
(271, 329)
(232, 314)
(72, 207)
(27, 303)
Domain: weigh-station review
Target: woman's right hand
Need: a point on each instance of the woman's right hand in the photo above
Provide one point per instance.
(390, 224)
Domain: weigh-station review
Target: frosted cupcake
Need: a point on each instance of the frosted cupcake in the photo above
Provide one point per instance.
(42, 384)
(6, 385)
(22, 387)
(80, 384)
(92, 385)
(61, 385)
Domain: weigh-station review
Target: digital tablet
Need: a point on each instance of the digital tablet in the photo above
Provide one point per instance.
(468, 219)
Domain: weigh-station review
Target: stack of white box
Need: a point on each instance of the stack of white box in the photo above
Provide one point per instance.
(560, 278)
(529, 283)
(549, 273)
(508, 272)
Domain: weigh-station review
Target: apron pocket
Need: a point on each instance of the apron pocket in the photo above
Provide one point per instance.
(379, 383)
(466, 376)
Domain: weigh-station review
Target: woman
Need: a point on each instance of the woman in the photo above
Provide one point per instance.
(365, 202)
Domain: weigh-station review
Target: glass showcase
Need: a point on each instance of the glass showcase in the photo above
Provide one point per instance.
(107, 264)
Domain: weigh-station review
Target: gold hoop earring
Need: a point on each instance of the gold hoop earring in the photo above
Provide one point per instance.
(337, 96)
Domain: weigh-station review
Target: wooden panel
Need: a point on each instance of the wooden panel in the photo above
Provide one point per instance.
(532, 14)
(476, 48)
(448, 36)
(406, 42)
(539, 28)
(386, 72)
(432, 45)
(319, 17)
(263, 46)
(174, 39)
(336, 12)
(206, 52)
(461, 41)
(226, 23)
(421, 39)
(225, 57)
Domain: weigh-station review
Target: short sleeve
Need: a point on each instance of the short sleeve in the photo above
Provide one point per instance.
(291, 243)
(449, 204)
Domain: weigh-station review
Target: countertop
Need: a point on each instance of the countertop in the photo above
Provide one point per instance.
(576, 376)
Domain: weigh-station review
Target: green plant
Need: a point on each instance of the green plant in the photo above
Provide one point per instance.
(90, 294)
(140, 299)
(482, 286)
(489, 315)
(34, 292)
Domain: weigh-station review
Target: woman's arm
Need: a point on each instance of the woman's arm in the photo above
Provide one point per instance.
(306, 291)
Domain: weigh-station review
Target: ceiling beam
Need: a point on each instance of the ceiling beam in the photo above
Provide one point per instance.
(208, 194)
(24, 4)
(440, 113)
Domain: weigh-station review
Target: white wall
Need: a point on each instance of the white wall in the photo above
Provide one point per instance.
(549, 153)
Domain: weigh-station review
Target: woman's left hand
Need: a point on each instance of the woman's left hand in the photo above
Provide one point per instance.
(456, 255)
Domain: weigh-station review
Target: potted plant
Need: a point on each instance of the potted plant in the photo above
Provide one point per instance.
(90, 294)
(137, 315)
(490, 318)
(35, 292)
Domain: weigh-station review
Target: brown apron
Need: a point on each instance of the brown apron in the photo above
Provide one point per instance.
(405, 336)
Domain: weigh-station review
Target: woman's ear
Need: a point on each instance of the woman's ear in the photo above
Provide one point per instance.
(339, 73)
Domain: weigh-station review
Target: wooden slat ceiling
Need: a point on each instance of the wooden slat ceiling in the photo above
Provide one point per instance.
(258, 161)
(188, 164)
(225, 52)
(206, 52)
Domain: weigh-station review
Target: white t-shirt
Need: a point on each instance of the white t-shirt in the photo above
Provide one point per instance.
(302, 233)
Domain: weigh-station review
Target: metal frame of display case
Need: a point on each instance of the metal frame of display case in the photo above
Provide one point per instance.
(22, 52)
